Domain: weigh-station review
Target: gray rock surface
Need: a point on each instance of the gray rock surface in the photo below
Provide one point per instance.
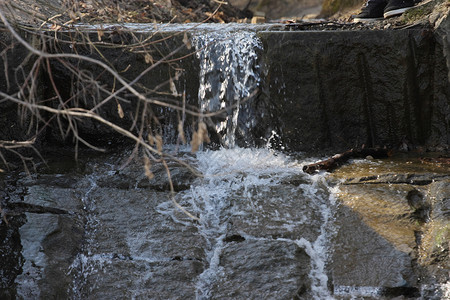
(364, 87)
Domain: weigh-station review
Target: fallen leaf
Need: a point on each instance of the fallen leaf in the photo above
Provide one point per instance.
(181, 132)
(195, 143)
(199, 136)
(147, 166)
(148, 58)
(100, 32)
(159, 143)
(187, 42)
(173, 88)
(120, 111)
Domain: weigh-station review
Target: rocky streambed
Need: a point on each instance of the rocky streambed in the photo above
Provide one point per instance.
(259, 227)
(377, 229)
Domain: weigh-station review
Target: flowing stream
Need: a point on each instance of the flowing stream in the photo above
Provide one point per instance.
(245, 203)
(265, 229)
(239, 186)
(249, 201)
(229, 72)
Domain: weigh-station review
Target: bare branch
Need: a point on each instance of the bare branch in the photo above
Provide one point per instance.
(79, 112)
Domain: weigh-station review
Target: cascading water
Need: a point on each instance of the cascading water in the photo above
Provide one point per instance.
(252, 204)
(229, 72)
(238, 184)
(250, 200)
(265, 229)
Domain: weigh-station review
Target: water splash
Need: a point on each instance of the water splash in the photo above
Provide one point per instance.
(229, 72)
(236, 178)
(319, 249)
(86, 263)
(227, 172)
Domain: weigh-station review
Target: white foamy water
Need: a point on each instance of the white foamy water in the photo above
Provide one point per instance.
(177, 28)
(229, 72)
(87, 263)
(250, 186)
(319, 249)
(355, 292)
(238, 178)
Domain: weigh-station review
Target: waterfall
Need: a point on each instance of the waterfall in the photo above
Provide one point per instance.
(229, 73)
(242, 189)
(238, 184)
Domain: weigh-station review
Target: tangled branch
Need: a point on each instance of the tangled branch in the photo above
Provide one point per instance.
(145, 129)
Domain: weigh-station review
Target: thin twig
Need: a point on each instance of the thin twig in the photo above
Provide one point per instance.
(172, 194)
(79, 112)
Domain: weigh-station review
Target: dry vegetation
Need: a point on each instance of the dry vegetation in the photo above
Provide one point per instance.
(112, 11)
(42, 25)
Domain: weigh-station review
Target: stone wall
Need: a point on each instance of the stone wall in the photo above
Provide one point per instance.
(345, 89)
(329, 90)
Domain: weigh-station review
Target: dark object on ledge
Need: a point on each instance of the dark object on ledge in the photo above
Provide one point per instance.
(341, 158)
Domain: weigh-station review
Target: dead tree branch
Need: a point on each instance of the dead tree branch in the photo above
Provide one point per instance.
(339, 159)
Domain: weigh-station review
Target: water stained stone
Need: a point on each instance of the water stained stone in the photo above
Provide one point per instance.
(263, 268)
(380, 246)
(50, 237)
(126, 223)
(140, 279)
(10, 255)
(362, 257)
(268, 212)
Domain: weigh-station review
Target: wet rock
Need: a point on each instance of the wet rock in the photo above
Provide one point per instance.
(126, 222)
(10, 255)
(181, 178)
(403, 215)
(248, 269)
(56, 199)
(140, 279)
(50, 243)
(365, 101)
(49, 235)
(395, 178)
(372, 246)
(134, 232)
(434, 247)
(133, 176)
(61, 247)
(19, 208)
(128, 230)
(417, 201)
(267, 215)
(439, 196)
